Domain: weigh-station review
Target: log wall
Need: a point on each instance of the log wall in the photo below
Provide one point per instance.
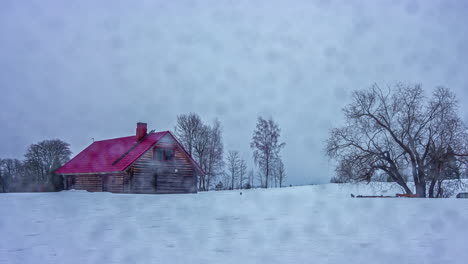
(97, 182)
(147, 175)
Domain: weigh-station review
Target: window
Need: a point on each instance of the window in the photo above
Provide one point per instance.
(158, 154)
(71, 181)
(169, 154)
(163, 154)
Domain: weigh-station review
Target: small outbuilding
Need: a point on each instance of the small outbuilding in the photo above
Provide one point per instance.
(153, 162)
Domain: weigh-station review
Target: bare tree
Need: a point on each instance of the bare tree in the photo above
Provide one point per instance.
(43, 158)
(250, 177)
(261, 178)
(396, 132)
(204, 142)
(187, 128)
(242, 173)
(215, 162)
(233, 163)
(447, 148)
(201, 146)
(280, 171)
(12, 171)
(266, 146)
(226, 179)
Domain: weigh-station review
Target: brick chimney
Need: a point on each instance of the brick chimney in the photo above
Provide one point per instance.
(141, 131)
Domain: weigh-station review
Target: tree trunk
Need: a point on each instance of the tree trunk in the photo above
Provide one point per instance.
(440, 191)
(2, 183)
(232, 182)
(204, 183)
(434, 181)
(398, 178)
(267, 173)
(241, 178)
(419, 180)
(420, 186)
(431, 188)
(402, 184)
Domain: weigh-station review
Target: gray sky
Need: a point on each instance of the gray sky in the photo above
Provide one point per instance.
(92, 69)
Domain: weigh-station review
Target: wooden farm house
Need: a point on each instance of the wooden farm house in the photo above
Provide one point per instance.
(153, 162)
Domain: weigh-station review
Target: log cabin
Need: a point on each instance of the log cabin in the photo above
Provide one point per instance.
(153, 162)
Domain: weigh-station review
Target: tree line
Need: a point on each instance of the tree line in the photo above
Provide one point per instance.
(36, 171)
(399, 134)
(229, 170)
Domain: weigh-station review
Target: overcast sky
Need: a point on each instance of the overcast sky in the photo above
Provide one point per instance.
(92, 69)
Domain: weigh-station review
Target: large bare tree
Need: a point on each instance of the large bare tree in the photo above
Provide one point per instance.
(214, 160)
(201, 149)
(204, 143)
(266, 146)
(43, 158)
(400, 132)
(187, 128)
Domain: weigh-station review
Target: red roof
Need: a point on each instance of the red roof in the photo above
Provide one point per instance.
(111, 155)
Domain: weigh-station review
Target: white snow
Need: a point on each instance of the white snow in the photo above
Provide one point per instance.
(309, 224)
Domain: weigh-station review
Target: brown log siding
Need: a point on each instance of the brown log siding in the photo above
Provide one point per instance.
(167, 180)
(94, 182)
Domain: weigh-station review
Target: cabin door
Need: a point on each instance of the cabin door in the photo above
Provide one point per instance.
(105, 183)
(70, 182)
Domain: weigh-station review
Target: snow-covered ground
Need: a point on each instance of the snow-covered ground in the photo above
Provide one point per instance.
(309, 224)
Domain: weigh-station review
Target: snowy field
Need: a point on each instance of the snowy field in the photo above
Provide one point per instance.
(310, 224)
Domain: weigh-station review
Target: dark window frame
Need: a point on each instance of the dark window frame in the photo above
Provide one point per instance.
(172, 156)
(163, 153)
(156, 155)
